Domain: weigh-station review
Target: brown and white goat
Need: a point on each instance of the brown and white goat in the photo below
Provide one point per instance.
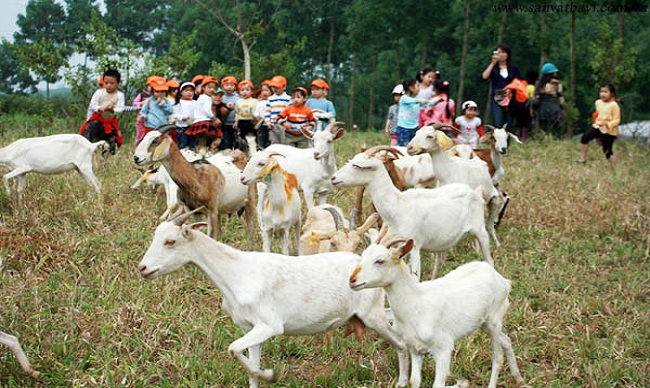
(200, 184)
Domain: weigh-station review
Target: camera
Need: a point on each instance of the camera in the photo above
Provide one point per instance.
(495, 53)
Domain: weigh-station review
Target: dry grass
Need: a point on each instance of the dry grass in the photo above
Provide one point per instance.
(576, 243)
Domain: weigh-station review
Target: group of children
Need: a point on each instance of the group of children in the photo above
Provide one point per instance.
(213, 114)
(424, 100)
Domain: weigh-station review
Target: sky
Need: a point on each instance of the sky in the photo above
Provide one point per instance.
(8, 16)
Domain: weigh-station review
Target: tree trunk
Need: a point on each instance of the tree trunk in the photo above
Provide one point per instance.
(500, 36)
(572, 55)
(352, 85)
(542, 43)
(371, 91)
(330, 50)
(463, 61)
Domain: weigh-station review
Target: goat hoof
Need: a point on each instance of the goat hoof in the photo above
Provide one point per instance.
(269, 375)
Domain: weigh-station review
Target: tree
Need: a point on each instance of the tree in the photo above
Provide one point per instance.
(43, 58)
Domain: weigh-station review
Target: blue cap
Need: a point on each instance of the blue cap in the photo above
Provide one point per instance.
(549, 68)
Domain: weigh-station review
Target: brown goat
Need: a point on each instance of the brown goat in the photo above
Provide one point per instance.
(200, 183)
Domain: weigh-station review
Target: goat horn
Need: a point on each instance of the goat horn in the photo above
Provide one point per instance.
(353, 218)
(179, 219)
(489, 127)
(382, 232)
(392, 241)
(369, 222)
(331, 126)
(394, 151)
(441, 125)
(338, 220)
(166, 128)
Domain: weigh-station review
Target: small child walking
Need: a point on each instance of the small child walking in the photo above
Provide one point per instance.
(323, 109)
(245, 115)
(295, 117)
(469, 125)
(105, 104)
(278, 101)
(183, 111)
(157, 108)
(230, 97)
(203, 129)
(444, 107)
(605, 125)
(393, 112)
(409, 111)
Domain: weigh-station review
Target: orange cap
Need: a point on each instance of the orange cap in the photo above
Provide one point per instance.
(244, 83)
(278, 81)
(152, 79)
(198, 78)
(228, 79)
(101, 80)
(319, 83)
(173, 84)
(303, 90)
(159, 84)
(208, 79)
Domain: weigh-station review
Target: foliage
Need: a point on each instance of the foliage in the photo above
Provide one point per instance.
(362, 48)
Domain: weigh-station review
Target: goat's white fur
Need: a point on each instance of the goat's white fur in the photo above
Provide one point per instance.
(313, 166)
(53, 154)
(436, 219)
(450, 169)
(278, 205)
(498, 138)
(269, 294)
(431, 316)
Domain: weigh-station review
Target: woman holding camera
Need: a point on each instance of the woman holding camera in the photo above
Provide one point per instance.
(501, 72)
(548, 102)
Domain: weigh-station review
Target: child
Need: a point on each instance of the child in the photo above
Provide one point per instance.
(393, 113)
(230, 97)
(183, 111)
(157, 108)
(323, 108)
(469, 125)
(426, 77)
(296, 117)
(203, 130)
(262, 110)
(245, 114)
(409, 110)
(605, 125)
(137, 102)
(173, 85)
(443, 110)
(105, 104)
(277, 103)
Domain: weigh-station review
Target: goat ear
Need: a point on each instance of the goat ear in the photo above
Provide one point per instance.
(406, 248)
(188, 229)
(162, 149)
(339, 133)
(513, 136)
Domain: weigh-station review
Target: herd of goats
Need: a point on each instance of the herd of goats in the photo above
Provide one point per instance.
(426, 196)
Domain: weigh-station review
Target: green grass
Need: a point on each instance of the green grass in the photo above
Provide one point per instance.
(575, 243)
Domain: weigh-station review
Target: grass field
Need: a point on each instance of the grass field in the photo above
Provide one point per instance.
(575, 243)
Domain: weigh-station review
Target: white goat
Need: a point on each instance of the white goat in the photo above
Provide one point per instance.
(53, 154)
(431, 316)
(160, 176)
(450, 169)
(269, 294)
(325, 230)
(313, 166)
(435, 218)
(200, 184)
(499, 140)
(278, 205)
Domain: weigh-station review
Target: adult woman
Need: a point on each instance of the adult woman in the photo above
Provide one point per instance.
(548, 102)
(501, 72)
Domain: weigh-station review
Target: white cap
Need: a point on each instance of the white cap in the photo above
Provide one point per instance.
(468, 104)
(398, 89)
